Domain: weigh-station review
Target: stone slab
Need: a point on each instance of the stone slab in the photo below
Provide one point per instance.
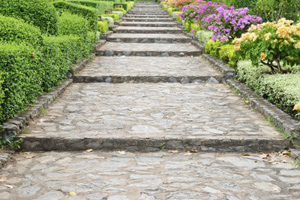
(148, 24)
(146, 16)
(134, 29)
(144, 117)
(146, 19)
(148, 38)
(147, 49)
(141, 176)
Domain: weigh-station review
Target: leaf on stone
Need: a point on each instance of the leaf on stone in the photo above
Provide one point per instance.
(286, 153)
(9, 186)
(89, 150)
(193, 151)
(29, 156)
(122, 152)
(3, 179)
(264, 156)
(173, 151)
(73, 194)
(245, 154)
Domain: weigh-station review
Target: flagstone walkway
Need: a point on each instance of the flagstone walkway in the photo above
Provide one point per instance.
(157, 122)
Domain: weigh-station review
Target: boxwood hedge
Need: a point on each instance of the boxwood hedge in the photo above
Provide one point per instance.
(18, 31)
(87, 12)
(72, 24)
(101, 6)
(39, 13)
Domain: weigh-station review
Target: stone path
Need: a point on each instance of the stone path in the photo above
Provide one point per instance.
(161, 123)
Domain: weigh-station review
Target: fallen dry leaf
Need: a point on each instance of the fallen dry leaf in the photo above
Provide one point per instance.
(89, 150)
(9, 186)
(29, 156)
(264, 156)
(3, 179)
(245, 154)
(173, 151)
(73, 194)
(286, 153)
(193, 151)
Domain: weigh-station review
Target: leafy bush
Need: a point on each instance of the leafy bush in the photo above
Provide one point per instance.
(228, 54)
(204, 36)
(1, 95)
(101, 6)
(16, 30)
(176, 16)
(124, 5)
(109, 20)
(72, 24)
(22, 77)
(114, 16)
(102, 26)
(120, 9)
(89, 13)
(212, 47)
(39, 13)
(120, 13)
(272, 44)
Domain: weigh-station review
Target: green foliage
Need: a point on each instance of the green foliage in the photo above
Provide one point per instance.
(120, 13)
(87, 12)
(204, 36)
(175, 15)
(124, 5)
(228, 54)
(171, 10)
(114, 16)
(103, 26)
(110, 20)
(72, 24)
(11, 143)
(101, 6)
(212, 47)
(1, 95)
(39, 13)
(120, 9)
(16, 30)
(22, 77)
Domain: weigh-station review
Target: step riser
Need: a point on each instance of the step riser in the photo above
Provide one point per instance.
(147, 53)
(147, 16)
(148, 40)
(147, 13)
(147, 20)
(150, 145)
(147, 79)
(150, 31)
(148, 25)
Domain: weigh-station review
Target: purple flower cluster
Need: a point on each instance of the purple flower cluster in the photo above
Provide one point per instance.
(226, 22)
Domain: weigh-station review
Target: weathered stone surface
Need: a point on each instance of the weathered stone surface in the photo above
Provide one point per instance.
(148, 24)
(138, 116)
(146, 16)
(146, 19)
(148, 38)
(146, 176)
(147, 49)
(134, 29)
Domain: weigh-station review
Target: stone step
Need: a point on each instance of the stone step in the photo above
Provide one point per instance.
(148, 38)
(147, 13)
(148, 69)
(132, 19)
(146, 16)
(122, 175)
(147, 49)
(134, 29)
(148, 24)
(151, 117)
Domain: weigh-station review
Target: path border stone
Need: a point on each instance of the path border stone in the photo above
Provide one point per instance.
(5, 157)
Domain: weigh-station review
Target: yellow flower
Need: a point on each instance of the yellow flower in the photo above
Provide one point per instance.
(252, 28)
(297, 107)
(237, 47)
(263, 56)
(283, 32)
(267, 36)
(297, 46)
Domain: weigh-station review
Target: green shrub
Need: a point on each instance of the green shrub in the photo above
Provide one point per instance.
(228, 54)
(120, 9)
(110, 20)
(101, 6)
(204, 36)
(72, 24)
(281, 90)
(120, 13)
(103, 26)
(124, 5)
(39, 13)
(22, 77)
(1, 95)
(212, 47)
(16, 30)
(114, 16)
(89, 13)
(89, 44)
(195, 28)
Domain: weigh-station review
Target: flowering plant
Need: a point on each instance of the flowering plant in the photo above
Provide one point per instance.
(275, 44)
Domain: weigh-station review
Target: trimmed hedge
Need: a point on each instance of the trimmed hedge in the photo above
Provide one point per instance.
(1, 95)
(87, 12)
(39, 13)
(72, 24)
(16, 30)
(101, 6)
(22, 77)
(116, 17)
(228, 54)
(102, 26)
(110, 20)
